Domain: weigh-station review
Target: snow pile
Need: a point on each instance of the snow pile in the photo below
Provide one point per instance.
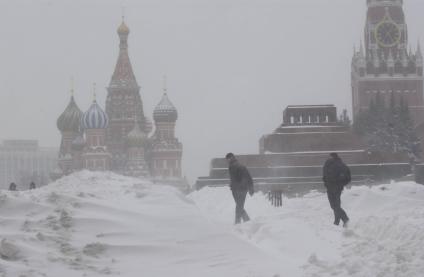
(97, 224)
(102, 224)
(385, 237)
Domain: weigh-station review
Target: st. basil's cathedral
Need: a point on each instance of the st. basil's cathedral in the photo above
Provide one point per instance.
(119, 138)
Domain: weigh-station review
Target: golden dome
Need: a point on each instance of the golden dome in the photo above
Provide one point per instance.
(123, 29)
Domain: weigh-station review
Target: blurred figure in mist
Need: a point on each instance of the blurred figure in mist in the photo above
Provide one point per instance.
(240, 183)
(12, 187)
(336, 175)
(32, 186)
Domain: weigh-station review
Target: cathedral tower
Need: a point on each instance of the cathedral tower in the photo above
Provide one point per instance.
(166, 149)
(94, 123)
(68, 124)
(383, 65)
(137, 142)
(123, 103)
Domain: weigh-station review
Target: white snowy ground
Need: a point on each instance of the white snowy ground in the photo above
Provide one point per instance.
(97, 224)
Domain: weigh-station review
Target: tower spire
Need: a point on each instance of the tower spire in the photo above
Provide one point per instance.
(404, 58)
(72, 86)
(165, 88)
(94, 92)
(123, 75)
(419, 53)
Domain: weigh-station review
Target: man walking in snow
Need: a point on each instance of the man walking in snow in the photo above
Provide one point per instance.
(336, 175)
(240, 183)
(32, 185)
(12, 187)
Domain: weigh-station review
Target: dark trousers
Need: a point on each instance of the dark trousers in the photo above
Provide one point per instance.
(240, 198)
(334, 198)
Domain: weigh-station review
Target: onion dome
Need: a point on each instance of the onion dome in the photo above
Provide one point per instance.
(94, 118)
(136, 137)
(165, 111)
(69, 120)
(78, 143)
(123, 29)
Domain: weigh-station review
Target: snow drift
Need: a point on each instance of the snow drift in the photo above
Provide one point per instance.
(102, 224)
(97, 224)
(385, 237)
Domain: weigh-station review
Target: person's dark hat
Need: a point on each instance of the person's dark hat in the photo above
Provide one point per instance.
(229, 156)
(334, 155)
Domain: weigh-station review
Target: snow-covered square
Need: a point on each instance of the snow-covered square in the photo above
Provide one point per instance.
(102, 224)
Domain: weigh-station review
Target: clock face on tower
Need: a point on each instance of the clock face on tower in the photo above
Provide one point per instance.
(387, 34)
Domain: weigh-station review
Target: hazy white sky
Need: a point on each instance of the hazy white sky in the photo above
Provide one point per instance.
(232, 65)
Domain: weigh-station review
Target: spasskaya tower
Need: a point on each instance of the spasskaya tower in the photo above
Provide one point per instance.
(386, 65)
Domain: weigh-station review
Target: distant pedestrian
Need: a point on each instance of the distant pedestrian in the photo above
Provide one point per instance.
(32, 186)
(336, 175)
(240, 183)
(12, 187)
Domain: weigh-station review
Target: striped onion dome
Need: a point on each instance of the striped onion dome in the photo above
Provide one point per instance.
(69, 120)
(136, 137)
(94, 118)
(165, 111)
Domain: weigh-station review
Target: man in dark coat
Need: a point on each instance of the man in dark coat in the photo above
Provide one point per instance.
(336, 175)
(240, 183)
(12, 187)
(32, 186)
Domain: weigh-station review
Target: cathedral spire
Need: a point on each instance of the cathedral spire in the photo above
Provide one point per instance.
(123, 76)
(94, 92)
(165, 88)
(72, 87)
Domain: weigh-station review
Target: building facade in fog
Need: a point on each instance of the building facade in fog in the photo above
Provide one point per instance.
(386, 65)
(291, 157)
(23, 161)
(121, 138)
(310, 128)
